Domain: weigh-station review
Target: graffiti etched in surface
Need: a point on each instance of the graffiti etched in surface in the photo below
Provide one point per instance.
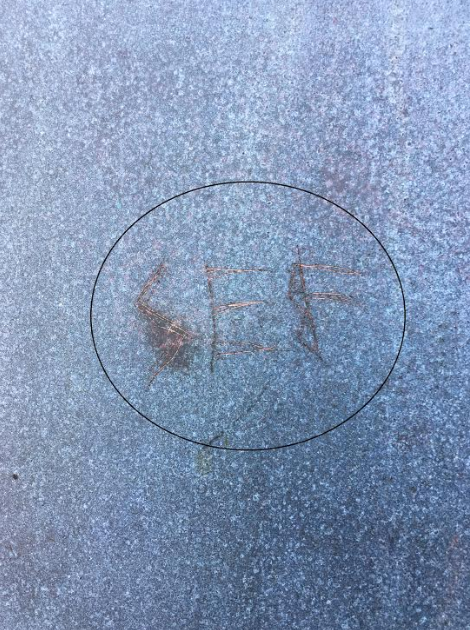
(248, 315)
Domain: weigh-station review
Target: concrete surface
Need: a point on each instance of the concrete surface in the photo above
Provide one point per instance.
(109, 108)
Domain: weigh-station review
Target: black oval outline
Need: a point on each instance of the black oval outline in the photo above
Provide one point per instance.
(263, 448)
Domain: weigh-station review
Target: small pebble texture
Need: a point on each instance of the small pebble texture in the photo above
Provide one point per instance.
(109, 108)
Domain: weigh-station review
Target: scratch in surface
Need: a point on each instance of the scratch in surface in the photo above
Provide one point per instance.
(333, 296)
(218, 309)
(236, 420)
(172, 325)
(144, 306)
(307, 321)
(179, 345)
(161, 322)
(330, 268)
(156, 276)
(223, 308)
(222, 271)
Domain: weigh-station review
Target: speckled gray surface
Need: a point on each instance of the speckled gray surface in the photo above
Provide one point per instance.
(110, 108)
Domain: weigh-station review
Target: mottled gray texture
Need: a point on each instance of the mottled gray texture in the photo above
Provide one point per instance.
(110, 108)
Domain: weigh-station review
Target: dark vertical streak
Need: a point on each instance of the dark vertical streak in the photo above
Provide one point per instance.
(307, 319)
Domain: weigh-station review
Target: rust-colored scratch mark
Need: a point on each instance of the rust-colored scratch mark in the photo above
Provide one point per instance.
(222, 271)
(218, 309)
(223, 308)
(297, 287)
(144, 307)
(161, 326)
(333, 296)
(155, 277)
(168, 324)
(330, 268)
(178, 347)
(302, 300)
